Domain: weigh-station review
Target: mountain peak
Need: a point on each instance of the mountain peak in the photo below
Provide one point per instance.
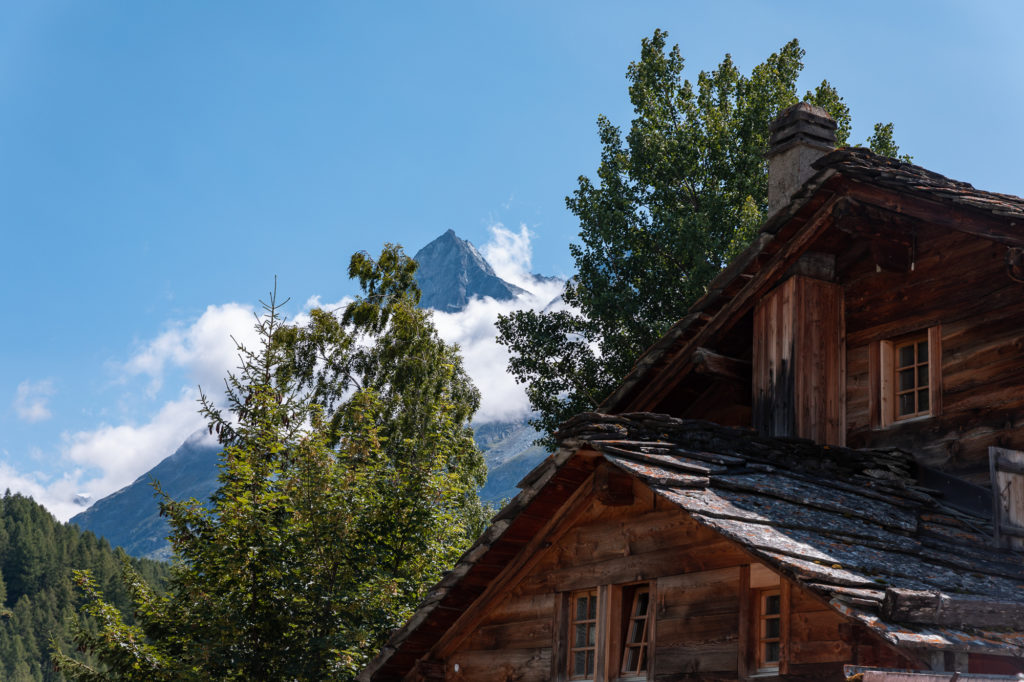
(451, 272)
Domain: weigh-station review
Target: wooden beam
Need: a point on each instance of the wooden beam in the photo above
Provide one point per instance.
(937, 608)
(875, 223)
(710, 363)
(745, 664)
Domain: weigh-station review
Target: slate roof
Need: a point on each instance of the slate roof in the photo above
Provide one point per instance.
(853, 526)
(862, 165)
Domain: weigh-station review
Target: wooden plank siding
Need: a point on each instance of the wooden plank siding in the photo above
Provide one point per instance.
(698, 605)
(797, 368)
(959, 283)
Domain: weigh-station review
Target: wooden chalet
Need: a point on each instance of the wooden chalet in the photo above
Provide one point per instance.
(814, 475)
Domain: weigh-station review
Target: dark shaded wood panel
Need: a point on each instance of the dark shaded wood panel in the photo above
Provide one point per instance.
(528, 634)
(513, 665)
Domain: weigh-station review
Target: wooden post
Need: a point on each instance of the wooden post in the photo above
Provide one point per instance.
(745, 665)
(560, 649)
(784, 647)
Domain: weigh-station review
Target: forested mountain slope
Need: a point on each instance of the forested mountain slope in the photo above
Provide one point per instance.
(37, 597)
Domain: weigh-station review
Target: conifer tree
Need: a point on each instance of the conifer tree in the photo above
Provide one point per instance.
(348, 484)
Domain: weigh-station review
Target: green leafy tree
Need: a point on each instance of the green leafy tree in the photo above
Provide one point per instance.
(680, 194)
(348, 484)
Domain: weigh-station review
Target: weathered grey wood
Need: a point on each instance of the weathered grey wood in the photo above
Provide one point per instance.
(1008, 494)
(939, 608)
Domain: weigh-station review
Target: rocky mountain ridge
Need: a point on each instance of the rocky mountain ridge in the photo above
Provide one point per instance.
(451, 272)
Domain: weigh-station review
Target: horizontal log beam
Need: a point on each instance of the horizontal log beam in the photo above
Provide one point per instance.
(710, 363)
(939, 608)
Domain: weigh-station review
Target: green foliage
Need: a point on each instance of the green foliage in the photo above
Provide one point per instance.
(685, 190)
(881, 142)
(37, 596)
(348, 484)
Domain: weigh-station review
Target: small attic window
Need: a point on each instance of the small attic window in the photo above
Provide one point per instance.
(910, 381)
(907, 377)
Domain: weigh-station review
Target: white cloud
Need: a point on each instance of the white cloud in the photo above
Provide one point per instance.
(55, 495)
(112, 455)
(509, 253)
(205, 349)
(109, 457)
(31, 398)
(125, 451)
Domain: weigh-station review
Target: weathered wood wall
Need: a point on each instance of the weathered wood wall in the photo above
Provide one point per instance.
(797, 366)
(959, 282)
(696, 585)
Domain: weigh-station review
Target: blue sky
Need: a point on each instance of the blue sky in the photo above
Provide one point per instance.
(160, 163)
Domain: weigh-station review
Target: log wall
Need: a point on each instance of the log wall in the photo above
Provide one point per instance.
(696, 578)
(960, 283)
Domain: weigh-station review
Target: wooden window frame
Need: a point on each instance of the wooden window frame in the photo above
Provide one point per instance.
(883, 377)
(914, 345)
(755, 581)
(614, 604)
(623, 599)
(762, 639)
(570, 634)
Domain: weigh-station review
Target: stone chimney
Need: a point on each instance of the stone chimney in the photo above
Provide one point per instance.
(801, 134)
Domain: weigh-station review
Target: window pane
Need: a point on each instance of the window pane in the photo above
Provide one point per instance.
(771, 604)
(906, 379)
(581, 608)
(906, 404)
(630, 660)
(906, 356)
(579, 663)
(922, 351)
(641, 604)
(636, 632)
(922, 375)
(581, 635)
(771, 628)
(590, 662)
(922, 400)
(593, 608)
(771, 652)
(643, 660)
(591, 635)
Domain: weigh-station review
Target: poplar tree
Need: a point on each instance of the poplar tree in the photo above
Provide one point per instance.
(674, 199)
